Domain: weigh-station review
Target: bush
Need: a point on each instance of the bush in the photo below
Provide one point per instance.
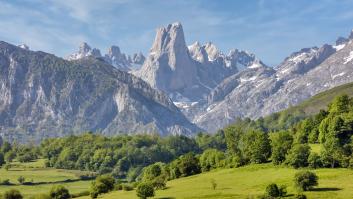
(21, 179)
(272, 190)
(12, 194)
(145, 190)
(127, 187)
(103, 184)
(59, 192)
(305, 180)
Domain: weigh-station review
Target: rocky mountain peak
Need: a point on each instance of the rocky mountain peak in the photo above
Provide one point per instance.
(24, 46)
(212, 51)
(84, 50)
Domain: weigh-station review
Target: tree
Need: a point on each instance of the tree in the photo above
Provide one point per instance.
(59, 192)
(12, 194)
(144, 190)
(102, 184)
(305, 180)
(281, 142)
(314, 160)
(188, 165)
(256, 146)
(211, 159)
(156, 174)
(298, 156)
(213, 184)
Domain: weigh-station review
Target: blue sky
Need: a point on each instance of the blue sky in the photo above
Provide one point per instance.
(272, 29)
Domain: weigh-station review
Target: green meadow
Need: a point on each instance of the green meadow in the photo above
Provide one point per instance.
(249, 182)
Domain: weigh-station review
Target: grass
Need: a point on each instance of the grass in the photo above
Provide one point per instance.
(248, 182)
(45, 178)
(321, 100)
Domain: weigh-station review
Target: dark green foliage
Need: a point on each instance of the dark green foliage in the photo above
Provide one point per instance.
(12, 194)
(314, 160)
(144, 190)
(102, 184)
(281, 142)
(298, 156)
(305, 180)
(127, 187)
(272, 190)
(211, 159)
(256, 147)
(2, 159)
(185, 165)
(116, 155)
(59, 192)
(156, 174)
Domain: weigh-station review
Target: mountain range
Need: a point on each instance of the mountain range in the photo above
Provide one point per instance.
(176, 89)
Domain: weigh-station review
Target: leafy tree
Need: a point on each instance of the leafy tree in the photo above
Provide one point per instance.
(305, 180)
(59, 192)
(256, 146)
(144, 190)
(281, 142)
(314, 160)
(156, 174)
(102, 184)
(298, 156)
(12, 194)
(211, 159)
(10, 155)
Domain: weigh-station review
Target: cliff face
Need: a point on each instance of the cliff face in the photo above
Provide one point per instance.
(45, 96)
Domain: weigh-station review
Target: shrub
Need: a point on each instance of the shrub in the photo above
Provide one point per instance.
(59, 192)
(12, 194)
(21, 179)
(103, 184)
(127, 187)
(272, 190)
(282, 190)
(145, 190)
(305, 180)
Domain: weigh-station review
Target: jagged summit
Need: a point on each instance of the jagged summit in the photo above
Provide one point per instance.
(189, 73)
(114, 57)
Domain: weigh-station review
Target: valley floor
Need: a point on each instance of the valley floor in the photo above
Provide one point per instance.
(249, 182)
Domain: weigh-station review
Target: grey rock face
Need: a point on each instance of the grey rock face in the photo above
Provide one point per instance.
(255, 93)
(114, 57)
(45, 96)
(188, 74)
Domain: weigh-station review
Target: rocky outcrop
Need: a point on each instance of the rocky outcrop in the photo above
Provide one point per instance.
(44, 96)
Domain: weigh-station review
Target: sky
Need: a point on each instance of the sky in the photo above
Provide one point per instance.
(271, 29)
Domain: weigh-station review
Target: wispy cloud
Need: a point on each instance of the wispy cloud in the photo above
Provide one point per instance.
(270, 28)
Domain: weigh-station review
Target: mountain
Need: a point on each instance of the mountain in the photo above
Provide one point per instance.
(114, 57)
(259, 93)
(188, 73)
(46, 96)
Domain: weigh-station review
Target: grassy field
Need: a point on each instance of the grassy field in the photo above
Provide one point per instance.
(248, 182)
(43, 178)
